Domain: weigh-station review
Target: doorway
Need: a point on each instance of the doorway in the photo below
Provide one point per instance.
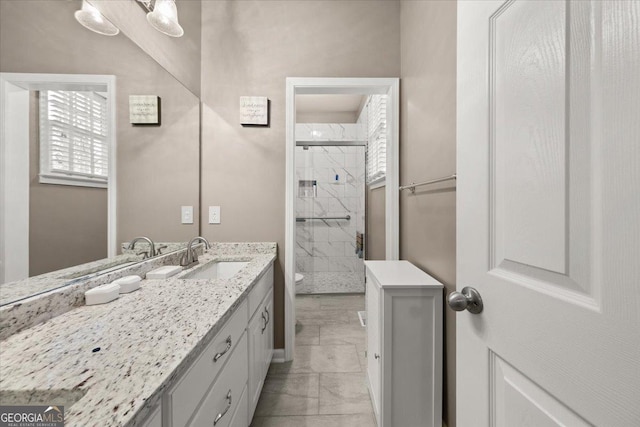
(15, 154)
(297, 186)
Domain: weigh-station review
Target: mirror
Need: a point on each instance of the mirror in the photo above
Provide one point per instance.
(155, 168)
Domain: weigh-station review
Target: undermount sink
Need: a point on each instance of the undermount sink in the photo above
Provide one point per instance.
(217, 270)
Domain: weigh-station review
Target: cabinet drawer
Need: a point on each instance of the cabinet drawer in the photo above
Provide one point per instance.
(189, 391)
(240, 417)
(257, 294)
(225, 397)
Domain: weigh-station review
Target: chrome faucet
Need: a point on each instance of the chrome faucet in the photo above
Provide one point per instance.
(152, 246)
(190, 256)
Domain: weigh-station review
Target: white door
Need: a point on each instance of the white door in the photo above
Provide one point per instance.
(549, 213)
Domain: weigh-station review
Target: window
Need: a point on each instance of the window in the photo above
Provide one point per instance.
(73, 138)
(377, 139)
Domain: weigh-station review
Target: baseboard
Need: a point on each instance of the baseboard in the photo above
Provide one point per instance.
(278, 355)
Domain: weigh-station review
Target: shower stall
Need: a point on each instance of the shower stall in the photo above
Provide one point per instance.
(330, 209)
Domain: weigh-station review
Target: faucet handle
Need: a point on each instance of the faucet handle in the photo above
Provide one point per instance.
(160, 248)
(145, 253)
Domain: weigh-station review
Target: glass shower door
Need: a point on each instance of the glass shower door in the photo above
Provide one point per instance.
(330, 218)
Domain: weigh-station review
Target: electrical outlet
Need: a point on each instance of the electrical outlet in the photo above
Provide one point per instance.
(214, 214)
(187, 214)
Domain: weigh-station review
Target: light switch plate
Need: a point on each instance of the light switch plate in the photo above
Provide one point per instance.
(214, 214)
(187, 214)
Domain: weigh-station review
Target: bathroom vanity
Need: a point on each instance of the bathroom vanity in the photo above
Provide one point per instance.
(177, 352)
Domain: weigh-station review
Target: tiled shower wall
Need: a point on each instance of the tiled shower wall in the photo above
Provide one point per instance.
(326, 249)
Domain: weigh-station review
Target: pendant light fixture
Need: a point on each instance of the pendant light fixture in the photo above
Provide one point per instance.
(91, 18)
(164, 18)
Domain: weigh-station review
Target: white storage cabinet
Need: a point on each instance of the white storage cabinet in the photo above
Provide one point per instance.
(404, 344)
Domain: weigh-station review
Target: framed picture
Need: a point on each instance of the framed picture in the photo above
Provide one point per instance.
(144, 109)
(254, 110)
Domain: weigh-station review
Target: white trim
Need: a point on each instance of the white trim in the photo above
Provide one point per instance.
(72, 180)
(278, 355)
(14, 182)
(14, 134)
(392, 183)
(290, 232)
(380, 182)
(367, 86)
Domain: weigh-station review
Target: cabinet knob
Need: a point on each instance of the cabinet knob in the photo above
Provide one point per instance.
(376, 356)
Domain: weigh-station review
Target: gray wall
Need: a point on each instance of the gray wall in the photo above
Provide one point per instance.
(375, 239)
(249, 48)
(428, 150)
(67, 224)
(157, 166)
(180, 56)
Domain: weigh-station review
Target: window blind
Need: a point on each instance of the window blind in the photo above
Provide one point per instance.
(377, 138)
(73, 138)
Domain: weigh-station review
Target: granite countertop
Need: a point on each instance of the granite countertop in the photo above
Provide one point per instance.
(22, 289)
(146, 341)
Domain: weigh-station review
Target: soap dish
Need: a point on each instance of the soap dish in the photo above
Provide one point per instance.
(128, 283)
(102, 294)
(164, 272)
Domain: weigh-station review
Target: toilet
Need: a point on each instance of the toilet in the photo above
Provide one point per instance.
(299, 280)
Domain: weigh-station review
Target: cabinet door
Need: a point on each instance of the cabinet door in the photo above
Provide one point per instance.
(373, 342)
(268, 333)
(256, 333)
(155, 419)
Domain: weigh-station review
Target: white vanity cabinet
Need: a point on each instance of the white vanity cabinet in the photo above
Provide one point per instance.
(260, 335)
(184, 401)
(219, 388)
(404, 344)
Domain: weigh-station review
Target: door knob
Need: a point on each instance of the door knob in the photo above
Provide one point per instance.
(468, 299)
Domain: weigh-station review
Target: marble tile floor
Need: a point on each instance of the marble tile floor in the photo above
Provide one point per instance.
(331, 283)
(325, 384)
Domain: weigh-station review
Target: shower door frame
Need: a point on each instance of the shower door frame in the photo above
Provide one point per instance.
(318, 86)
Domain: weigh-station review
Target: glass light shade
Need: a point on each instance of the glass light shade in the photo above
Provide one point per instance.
(91, 18)
(164, 18)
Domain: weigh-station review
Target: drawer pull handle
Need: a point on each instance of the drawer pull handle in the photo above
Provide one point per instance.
(219, 355)
(223, 413)
(268, 315)
(265, 323)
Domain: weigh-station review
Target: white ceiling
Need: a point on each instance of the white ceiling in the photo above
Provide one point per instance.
(329, 103)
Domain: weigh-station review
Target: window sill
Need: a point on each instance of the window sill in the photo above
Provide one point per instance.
(381, 182)
(73, 181)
